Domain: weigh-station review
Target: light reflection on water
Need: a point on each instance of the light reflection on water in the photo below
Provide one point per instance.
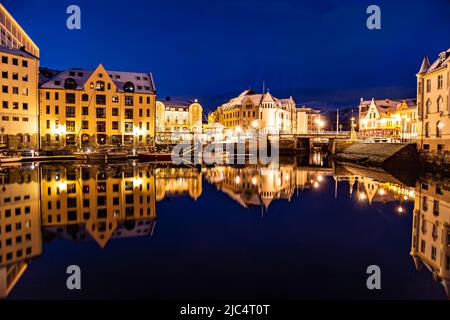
(68, 204)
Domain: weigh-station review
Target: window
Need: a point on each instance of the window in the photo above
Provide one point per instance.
(70, 112)
(25, 106)
(115, 99)
(101, 126)
(440, 83)
(439, 126)
(70, 98)
(100, 99)
(56, 95)
(128, 127)
(47, 95)
(5, 104)
(85, 111)
(101, 113)
(422, 246)
(115, 125)
(427, 130)
(56, 109)
(440, 104)
(85, 97)
(15, 90)
(5, 89)
(25, 78)
(100, 86)
(15, 76)
(5, 60)
(128, 87)
(70, 126)
(433, 253)
(129, 101)
(128, 113)
(429, 85)
(115, 112)
(25, 63)
(15, 62)
(85, 125)
(5, 75)
(436, 208)
(70, 84)
(425, 204)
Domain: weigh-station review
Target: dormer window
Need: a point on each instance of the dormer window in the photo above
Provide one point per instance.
(70, 84)
(128, 87)
(72, 73)
(442, 57)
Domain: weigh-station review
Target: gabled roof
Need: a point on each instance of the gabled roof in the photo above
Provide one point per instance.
(143, 82)
(256, 99)
(442, 61)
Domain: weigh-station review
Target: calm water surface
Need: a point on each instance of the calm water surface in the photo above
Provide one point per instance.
(295, 232)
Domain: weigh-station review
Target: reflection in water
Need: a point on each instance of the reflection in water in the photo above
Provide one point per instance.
(431, 231)
(102, 203)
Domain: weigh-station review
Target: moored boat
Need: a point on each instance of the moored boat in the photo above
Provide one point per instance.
(101, 155)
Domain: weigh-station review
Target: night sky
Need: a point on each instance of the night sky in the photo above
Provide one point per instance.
(211, 49)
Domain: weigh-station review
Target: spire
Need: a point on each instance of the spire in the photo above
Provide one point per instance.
(425, 65)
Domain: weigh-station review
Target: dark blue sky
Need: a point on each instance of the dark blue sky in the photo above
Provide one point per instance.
(210, 48)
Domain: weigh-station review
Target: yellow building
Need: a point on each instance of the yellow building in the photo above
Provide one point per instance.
(431, 231)
(20, 227)
(13, 36)
(175, 115)
(105, 204)
(394, 119)
(262, 112)
(433, 92)
(309, 120)
(19, 101)
(85, 108)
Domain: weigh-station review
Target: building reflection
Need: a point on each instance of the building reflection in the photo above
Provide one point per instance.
(99, 203)
(102, 203)
(431, 230)
(69, 202)
(178, 182)
(20, 226)
(260, 186)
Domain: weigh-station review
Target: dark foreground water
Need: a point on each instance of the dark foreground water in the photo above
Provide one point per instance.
(294, 232)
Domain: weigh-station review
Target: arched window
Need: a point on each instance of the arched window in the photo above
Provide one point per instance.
(427, 130)
(70, 84)
(439, 126)
(428, 110)
(440, 104)
(128, 87)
